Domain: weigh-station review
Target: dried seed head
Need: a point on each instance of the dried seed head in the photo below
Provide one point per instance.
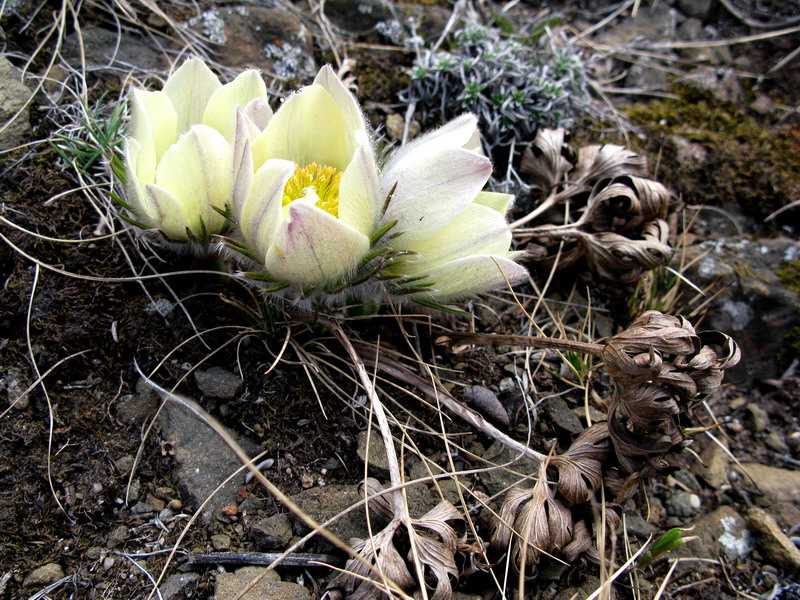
(605, 161)
(549, 158)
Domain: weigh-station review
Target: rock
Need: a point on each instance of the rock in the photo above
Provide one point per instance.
(360, 16)
(514, 469)
(230, 585)
(204, 460)
(395, 125)
(776, 484)
(774, 441)
(135, 408)
(786, 514)
(638, 526)
(176, 587)
(374, 454)
(12, 382)
(117, 536)
(754, 307)
(683, 504)
(756, 417)
(271, 39)
(486, 402)
(588, 588)
(775, 544)
(689, 155)
(714, 468)
(699, 9)
(720, 81)
(655, 22)
(43, 576)
(221, 541)
(218, 383)
(558, 413)
(326, 502)
(272, 533)
(14, 95)
(722, 533)
(108, 58)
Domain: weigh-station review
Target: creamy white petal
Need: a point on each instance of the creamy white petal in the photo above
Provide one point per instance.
(348, 105)
(154, 125)
(166, 213)
(189, 89)
(260, 215)
(359, 191)
(478, 230)
(309, 127)
(220, 111)
(242, 160)
(313, 248)
(461, 132)
(197, 170)
(133, 186)
(259, 112)
(432, 190)
(471, 275)
(495, 201)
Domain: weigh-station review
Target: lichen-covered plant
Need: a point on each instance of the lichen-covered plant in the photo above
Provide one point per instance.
(514, 88)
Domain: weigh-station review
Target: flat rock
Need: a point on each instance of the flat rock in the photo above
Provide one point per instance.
(714, 468)
(107, 57)
(487, 403)
(326, 502)
(776, 484)
(560, 415)
(14, 96)
(775, 544)
(204, 460)
(230, 585)
(272, 533)
(372, 452)
(218, 382)
(43, 576)
(722, 532)
(175, 587)
(511, 469)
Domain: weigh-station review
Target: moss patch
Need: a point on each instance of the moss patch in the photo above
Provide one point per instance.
(789, 275)
(753, 164)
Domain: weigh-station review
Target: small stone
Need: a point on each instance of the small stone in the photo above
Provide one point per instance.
(96, 489)
(323, 503)
(699, 9)
(154, 503)
(142, 508)
(714, 468)
(221, 541)
(756, 418)
(683, 504)
(374, 455)
(12, 381)
(218, 383)
(43, 576)
(485, 400)
(763, 105)
(638, 526)
(94, 553)
(558, 413)
(230, 585)
(118, 535)
(175, 504)
(14, 98)
(775, 544)
(125, 464)
(108, 562)
(272, 533)
(175, 587)
(776, 484)
(775, 441)
(722, 532)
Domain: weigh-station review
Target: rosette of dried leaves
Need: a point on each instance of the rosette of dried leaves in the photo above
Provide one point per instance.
(616, 218)
(435, 543)
(661, 367)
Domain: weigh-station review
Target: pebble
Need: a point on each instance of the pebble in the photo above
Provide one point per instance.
(118, 535)
(43, 576)
(486, 402)
(221, 541)
(218, 383)
(272, 533)
(374, 453)
(775, 544)
(756, 418)
(683, 504)
(775, 441)
(108, 562)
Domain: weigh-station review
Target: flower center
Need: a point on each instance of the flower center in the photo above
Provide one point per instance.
(323, 180)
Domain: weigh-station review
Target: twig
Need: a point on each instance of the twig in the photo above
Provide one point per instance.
(298, 559)
(523, 340)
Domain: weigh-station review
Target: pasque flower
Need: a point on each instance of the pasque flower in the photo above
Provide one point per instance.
(179, 156)
(310, 207)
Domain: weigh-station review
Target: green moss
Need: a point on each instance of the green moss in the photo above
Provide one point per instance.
(789, 274)
(753, 164)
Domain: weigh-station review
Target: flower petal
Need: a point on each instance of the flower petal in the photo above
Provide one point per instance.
(471, 275)
(348, 105)
(308, 128)
(359, 191)
(197, 170)
(154, 125)
(242, 160)
(461, 132)
(166, 213)
(314, 248)
(189, 89)
(433, 188)
(495, 201)
(260, 214)
(478, 230)
(220, 112)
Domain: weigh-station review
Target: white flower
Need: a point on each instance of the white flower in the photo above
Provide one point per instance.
(307, 205)
(179, 155)
(456, 235)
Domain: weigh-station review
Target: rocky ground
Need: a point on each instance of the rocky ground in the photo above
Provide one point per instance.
(100, 479)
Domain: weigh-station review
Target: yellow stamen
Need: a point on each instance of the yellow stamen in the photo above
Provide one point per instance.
(324, 180)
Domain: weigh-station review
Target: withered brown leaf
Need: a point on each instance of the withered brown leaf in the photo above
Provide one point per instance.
(580, 467)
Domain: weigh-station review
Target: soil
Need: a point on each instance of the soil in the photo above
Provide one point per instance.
(79, 467)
